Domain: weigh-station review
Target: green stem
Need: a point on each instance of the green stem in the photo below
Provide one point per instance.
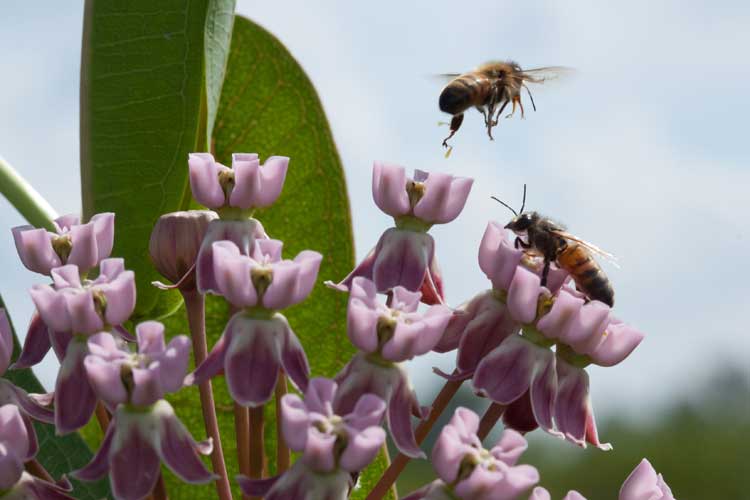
(29, 203)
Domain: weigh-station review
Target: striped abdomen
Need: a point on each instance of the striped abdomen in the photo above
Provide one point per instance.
(588, 276)
(464, 92)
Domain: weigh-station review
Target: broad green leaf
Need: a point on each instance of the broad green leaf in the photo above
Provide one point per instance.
(151, 76)
(58, 454)
(269, 106)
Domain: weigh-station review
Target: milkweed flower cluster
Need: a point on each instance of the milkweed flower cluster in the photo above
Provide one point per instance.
(523, 345)
(504, 338)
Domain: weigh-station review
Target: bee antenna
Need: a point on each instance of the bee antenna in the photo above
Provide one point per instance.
(523, 204)
(530, 96)
(505, 205)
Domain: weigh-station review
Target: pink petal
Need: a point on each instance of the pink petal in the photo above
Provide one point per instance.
(33, 443)
(401, 259)
(204, 180)
(293, 358)
(362, 449)
(319, 395)
(523, 295)
(148, 388)
(432, 287)
(256, 487)
(99, 464)
(519, 416)
(150, 336)
(574, 495)
(33, 405)
(453, 444)
(84, 253)
(67, 276)
(487, 330)
(111, 268)
(34, 247)
(271, 176)
(6, 341)
(363, 269)
(13, 433)
(247, 184)
(74, 398)
(405, 300)
(11, 468)
(214, 362)
(104, 229)
(561, 317)
(232, 275)
(35, 345)
(498, 259)
(389, 189)
(133, 463)
(543, 390)
(367, 412)
(120, 294)
(51, 307)
(319, 450)
(418, 337)
(586, 329)
(106, 381)
(294, 421)
(400, 407)
(309, 265)
(540, 493)
(173, 363)
(505, 373)
(177, 448)
(643, 484)
(252, 361)
(65, 222)
(444, 198)
(510, 446)
(83, 314)
(619, 341)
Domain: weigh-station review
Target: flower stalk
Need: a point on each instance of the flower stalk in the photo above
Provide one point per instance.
(489, 419)
(257, 442)
(27, 200)
(196, 311)
(283, 455)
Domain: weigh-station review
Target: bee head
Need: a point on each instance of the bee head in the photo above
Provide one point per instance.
(521, 222)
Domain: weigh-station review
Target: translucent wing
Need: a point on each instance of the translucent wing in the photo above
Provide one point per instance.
(590, 246)
(444, 77)
(545, 74)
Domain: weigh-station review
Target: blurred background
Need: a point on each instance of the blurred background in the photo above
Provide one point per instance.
(642, 152)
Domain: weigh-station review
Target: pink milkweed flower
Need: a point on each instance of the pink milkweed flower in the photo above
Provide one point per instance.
(138, 439)
(469, 472)
(542, 388)
(642, 484)
(645, 484)
(405, 255)
(257, 340)
(234, 193)
(84, 245)
(29, 405)
(540, 493)
(119, 376)
(246, 186)
(88, 306)
(16, 448)
(387, 336)
(82, 308)
(330, 444)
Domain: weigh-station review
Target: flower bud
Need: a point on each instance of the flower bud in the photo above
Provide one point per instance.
(175, 242)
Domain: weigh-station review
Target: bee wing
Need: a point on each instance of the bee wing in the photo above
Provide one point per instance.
(545, 74)
(590, 246)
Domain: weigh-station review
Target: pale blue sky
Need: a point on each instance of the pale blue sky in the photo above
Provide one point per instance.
(643, 152)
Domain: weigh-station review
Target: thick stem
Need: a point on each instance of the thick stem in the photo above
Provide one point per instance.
(489, 419)
(394, 470)
(242, 434)
(196, 312)
(283, 457)
(34, 468)
(257, 442)
(29, 203)
(102, 416)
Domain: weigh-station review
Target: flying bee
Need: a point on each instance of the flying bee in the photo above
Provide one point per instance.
(550, 240)
(491, 85)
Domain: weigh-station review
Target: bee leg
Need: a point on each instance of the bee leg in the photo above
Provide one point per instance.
(520, 105)
(520, 243)
(499, 112)
(545, 272)
(455, 125)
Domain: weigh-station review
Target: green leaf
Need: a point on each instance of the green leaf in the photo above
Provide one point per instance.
(151, 76)
(269, 106)
(58, 454)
